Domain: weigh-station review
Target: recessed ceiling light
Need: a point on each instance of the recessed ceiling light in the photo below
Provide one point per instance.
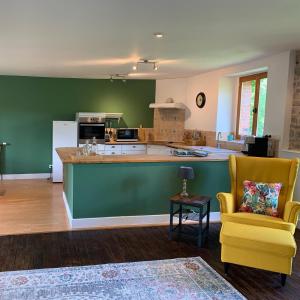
(134, 68)
(158, 35)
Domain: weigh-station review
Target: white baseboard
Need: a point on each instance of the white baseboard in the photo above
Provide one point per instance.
(143, 220)
(26, 176)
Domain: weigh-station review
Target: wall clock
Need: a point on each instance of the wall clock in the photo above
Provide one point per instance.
(200, 100)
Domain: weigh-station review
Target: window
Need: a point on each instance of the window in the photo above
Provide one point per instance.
(251, 105)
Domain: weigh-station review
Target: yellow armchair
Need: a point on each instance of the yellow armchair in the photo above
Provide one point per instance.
(254, 240)
(267, 170)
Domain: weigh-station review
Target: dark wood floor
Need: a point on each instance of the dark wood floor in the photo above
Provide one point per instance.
(135, 244)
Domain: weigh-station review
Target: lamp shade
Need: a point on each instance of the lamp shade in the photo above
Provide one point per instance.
(186, 173)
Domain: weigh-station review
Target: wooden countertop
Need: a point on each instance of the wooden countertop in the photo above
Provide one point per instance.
(68, 155)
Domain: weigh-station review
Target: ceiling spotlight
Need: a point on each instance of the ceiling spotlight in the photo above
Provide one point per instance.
(155, 67)
(158, 35)
(134, 68)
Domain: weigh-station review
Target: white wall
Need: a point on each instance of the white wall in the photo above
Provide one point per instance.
(205, 118)
(174, 88)
(277, 105)
(226, 110)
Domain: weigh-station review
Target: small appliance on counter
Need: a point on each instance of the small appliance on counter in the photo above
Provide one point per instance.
(259, 146)
(127, 134)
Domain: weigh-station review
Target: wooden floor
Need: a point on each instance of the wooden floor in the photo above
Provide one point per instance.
(33, 206)
(76, 248)
(30, 206)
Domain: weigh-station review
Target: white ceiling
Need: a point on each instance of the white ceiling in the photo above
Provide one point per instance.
(95, 38)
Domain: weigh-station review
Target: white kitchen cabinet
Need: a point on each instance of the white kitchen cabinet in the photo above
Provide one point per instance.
(64, 134)
(132, 149)
(113, 147)
(135, 147)
(113, 152)
(135, 152)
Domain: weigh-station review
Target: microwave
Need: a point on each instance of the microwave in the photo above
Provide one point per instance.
(127, 135)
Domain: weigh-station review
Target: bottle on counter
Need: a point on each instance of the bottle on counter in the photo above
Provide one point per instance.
(230, 137)
(94, 146)
(86, 148)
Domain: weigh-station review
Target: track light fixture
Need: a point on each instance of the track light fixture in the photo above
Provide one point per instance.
(146, 61)
(118, 76)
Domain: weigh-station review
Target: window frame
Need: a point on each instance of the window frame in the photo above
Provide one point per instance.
(257, 77)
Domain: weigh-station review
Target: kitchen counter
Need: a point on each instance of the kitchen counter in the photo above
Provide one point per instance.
(68, 155)
(121, 190)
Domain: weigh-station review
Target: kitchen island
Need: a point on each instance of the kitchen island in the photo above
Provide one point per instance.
(115, 190)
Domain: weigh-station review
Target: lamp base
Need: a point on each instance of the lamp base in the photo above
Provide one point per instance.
(184, 194)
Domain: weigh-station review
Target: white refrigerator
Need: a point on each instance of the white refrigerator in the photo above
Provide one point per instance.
(64, 135)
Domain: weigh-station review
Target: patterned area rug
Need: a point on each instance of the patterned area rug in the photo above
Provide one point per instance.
(181, 278)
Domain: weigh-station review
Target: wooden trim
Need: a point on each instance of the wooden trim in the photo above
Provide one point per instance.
(257, 78)
(238, 110)
(256, 102)
(254, 77)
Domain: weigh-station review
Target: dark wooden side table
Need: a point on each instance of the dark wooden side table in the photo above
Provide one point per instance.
(201, 203)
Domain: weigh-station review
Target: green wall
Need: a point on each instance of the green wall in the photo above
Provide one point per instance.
(28, 105)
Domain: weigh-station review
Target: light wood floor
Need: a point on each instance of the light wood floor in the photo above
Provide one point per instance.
(31, 206)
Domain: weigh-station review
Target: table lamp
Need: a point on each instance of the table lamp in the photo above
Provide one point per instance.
(185, 173)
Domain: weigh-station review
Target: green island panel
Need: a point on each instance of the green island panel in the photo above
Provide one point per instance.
(131, 189)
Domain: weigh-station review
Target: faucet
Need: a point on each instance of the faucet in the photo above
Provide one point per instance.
(218, 139)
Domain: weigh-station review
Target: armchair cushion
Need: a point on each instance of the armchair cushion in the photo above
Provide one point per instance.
(258, 220)
(279, 242)
(260, 198)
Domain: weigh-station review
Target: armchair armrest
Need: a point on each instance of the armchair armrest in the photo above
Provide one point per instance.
(227, 204)
(291, 212)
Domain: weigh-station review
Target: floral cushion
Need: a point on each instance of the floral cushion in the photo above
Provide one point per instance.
(260, 198)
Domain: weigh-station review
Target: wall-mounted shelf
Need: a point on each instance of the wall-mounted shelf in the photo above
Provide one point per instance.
(164, 105)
